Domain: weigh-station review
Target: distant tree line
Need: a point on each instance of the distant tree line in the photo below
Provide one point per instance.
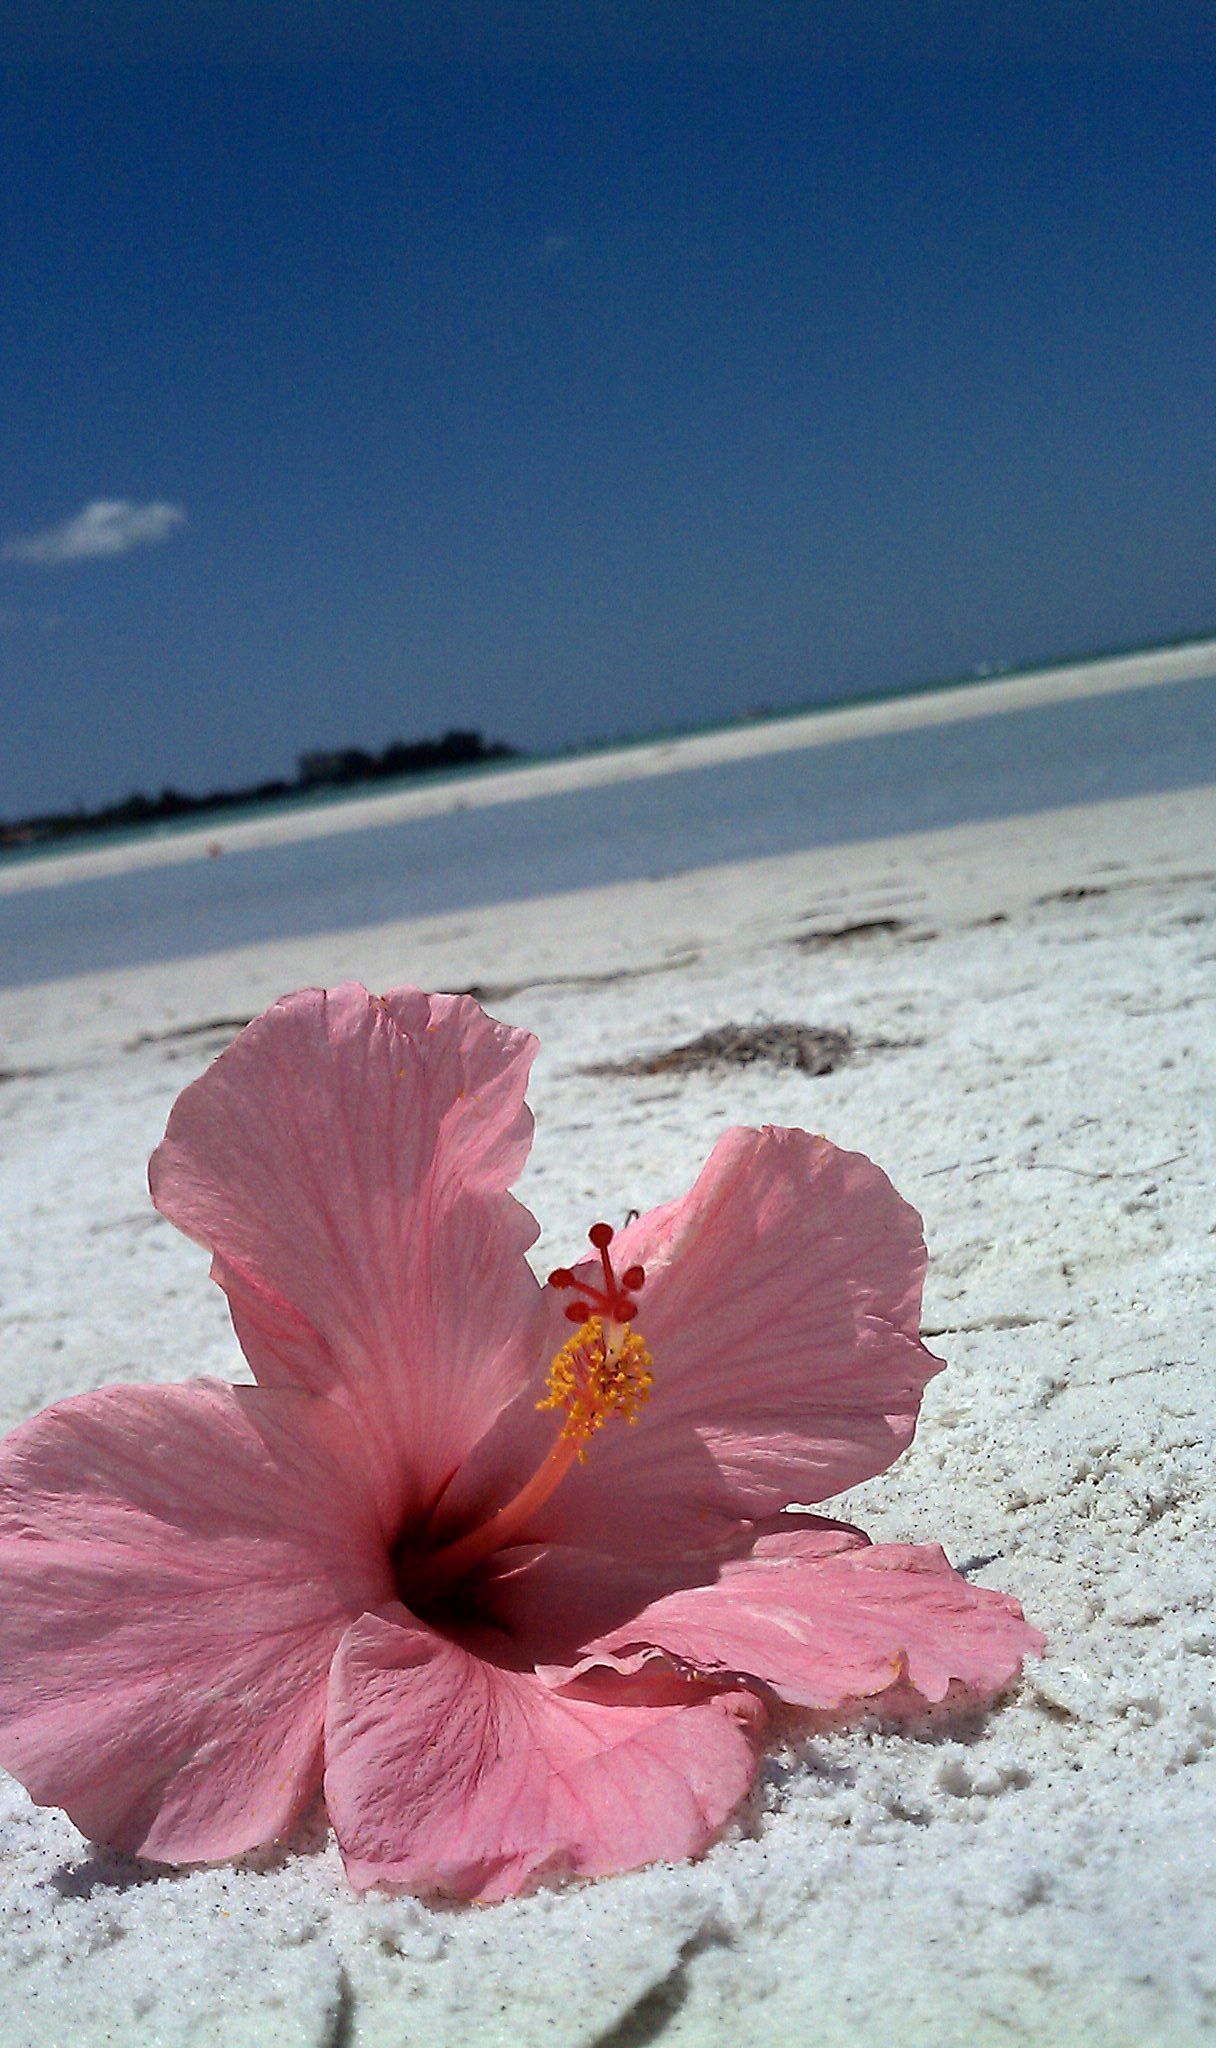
(338, 770)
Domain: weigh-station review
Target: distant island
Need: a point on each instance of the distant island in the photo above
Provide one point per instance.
(342, 769)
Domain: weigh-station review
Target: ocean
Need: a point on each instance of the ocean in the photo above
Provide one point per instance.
(1124, 744)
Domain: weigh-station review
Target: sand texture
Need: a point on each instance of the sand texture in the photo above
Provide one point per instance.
(1016, 1020)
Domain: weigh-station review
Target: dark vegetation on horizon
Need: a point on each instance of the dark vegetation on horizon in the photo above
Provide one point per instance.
(339, 770)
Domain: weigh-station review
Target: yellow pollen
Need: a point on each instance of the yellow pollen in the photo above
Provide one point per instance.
(603, 1369)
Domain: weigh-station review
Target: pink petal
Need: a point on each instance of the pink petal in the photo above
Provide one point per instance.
(347, 1162)
(823, 1618)
(554, 1600)
(448, 1773)
(781, 1306)
(177, 1565)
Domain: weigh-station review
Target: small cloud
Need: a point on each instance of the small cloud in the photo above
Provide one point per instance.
(109, 526)
(551, 247)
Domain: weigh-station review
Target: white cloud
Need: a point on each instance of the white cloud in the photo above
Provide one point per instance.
(109, 526)
(551, 248)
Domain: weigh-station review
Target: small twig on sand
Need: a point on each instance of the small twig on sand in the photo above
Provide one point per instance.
(989, 1164)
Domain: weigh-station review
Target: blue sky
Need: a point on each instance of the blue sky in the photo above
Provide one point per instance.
(372, 373)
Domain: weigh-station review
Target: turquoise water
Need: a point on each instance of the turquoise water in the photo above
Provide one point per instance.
(312, 799)
(1125, 744)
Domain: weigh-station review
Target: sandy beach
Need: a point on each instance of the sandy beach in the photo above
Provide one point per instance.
(1028, 1011)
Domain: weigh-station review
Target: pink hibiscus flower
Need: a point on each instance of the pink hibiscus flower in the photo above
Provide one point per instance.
(510, 1564)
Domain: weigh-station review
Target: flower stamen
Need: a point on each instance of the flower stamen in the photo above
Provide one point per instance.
(603, 1369)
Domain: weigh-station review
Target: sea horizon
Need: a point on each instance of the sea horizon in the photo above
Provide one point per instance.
(325, 797)
(693, 809)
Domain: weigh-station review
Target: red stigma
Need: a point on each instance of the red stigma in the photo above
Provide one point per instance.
(615, 1298)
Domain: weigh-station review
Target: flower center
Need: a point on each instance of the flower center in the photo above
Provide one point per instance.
(603, 1369)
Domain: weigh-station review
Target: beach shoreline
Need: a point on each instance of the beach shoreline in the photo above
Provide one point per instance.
(1027, 1002)
(960, 702)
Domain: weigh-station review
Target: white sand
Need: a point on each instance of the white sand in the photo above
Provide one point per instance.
(1048, 1877)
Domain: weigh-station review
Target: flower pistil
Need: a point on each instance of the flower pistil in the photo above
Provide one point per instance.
(603, 1369)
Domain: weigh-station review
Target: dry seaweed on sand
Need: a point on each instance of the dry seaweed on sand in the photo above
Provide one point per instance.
(811, 1048)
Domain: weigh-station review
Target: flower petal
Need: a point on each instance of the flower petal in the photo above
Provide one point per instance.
(781, 1306)
(822, 1618)
(347, 1162)
(554, 1600)
(447, 1773)
(177, 1565)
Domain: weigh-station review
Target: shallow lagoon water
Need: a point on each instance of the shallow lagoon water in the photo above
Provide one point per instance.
(1132, 743)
